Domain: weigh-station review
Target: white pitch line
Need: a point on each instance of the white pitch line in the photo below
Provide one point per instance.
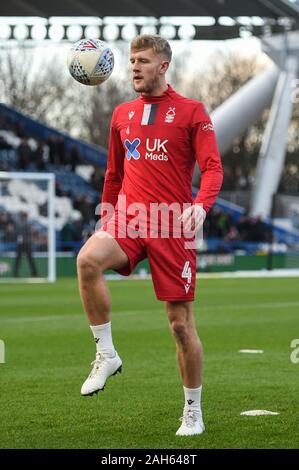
(258, 413)
(251, 351)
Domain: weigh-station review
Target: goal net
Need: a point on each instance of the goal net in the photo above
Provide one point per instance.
(27, 227)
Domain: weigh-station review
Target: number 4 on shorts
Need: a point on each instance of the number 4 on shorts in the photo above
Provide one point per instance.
(187, 274)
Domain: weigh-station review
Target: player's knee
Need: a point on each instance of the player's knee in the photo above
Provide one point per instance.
(87, 266)
(179, 317)
(179, 330)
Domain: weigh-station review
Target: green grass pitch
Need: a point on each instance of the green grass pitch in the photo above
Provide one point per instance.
(49, 349)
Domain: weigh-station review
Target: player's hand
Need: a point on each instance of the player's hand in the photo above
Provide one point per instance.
(193, 218)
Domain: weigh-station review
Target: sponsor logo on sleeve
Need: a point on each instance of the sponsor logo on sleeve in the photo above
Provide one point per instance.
(207, 126)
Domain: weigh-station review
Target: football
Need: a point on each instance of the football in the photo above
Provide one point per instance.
(90, 61)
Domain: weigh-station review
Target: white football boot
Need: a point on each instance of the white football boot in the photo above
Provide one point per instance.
(103, 368)
(192, 423)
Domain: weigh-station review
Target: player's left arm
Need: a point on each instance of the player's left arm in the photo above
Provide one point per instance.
(115, 165)
(207, 155)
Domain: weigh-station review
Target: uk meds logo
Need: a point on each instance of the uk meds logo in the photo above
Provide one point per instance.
(156, 150)
(131, 147)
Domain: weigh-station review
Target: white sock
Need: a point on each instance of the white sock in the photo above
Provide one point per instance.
(103, 338)
(193, 398)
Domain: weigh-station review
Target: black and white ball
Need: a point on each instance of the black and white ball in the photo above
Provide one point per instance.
(90, 61)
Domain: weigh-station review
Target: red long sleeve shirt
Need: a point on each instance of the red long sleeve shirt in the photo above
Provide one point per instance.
(154, 143)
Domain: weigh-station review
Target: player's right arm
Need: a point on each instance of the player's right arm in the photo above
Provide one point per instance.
(115, 165)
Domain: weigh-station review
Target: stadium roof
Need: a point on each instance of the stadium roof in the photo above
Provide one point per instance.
(157, 8)
(228, 15)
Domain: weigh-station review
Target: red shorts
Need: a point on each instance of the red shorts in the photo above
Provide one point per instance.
(172, 265)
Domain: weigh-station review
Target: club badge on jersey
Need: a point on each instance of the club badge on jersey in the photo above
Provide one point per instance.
(169, 117)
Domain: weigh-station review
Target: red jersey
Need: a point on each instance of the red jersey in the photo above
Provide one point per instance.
(154, 144)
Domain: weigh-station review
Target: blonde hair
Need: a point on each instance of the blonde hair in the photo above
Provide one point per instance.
(153, 41)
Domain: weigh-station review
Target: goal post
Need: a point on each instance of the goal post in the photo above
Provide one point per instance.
(27, 227)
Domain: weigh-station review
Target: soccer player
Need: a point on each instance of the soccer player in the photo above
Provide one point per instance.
(155, 141)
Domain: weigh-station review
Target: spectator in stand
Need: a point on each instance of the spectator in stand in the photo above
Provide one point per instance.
(24, 155)
(5, 222)
(224, 224)
(244, 226)
(232, 234)
(58, 189)
(24, 236)
(9, 234)
(70, 233)
(38, 157)
(214, 225)
(97, 179)
(61, 151)
(19, 130)
(53, 150)
(4, 145)
(74, 158)
(85, 206)
(258, 231)
(57, 150)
